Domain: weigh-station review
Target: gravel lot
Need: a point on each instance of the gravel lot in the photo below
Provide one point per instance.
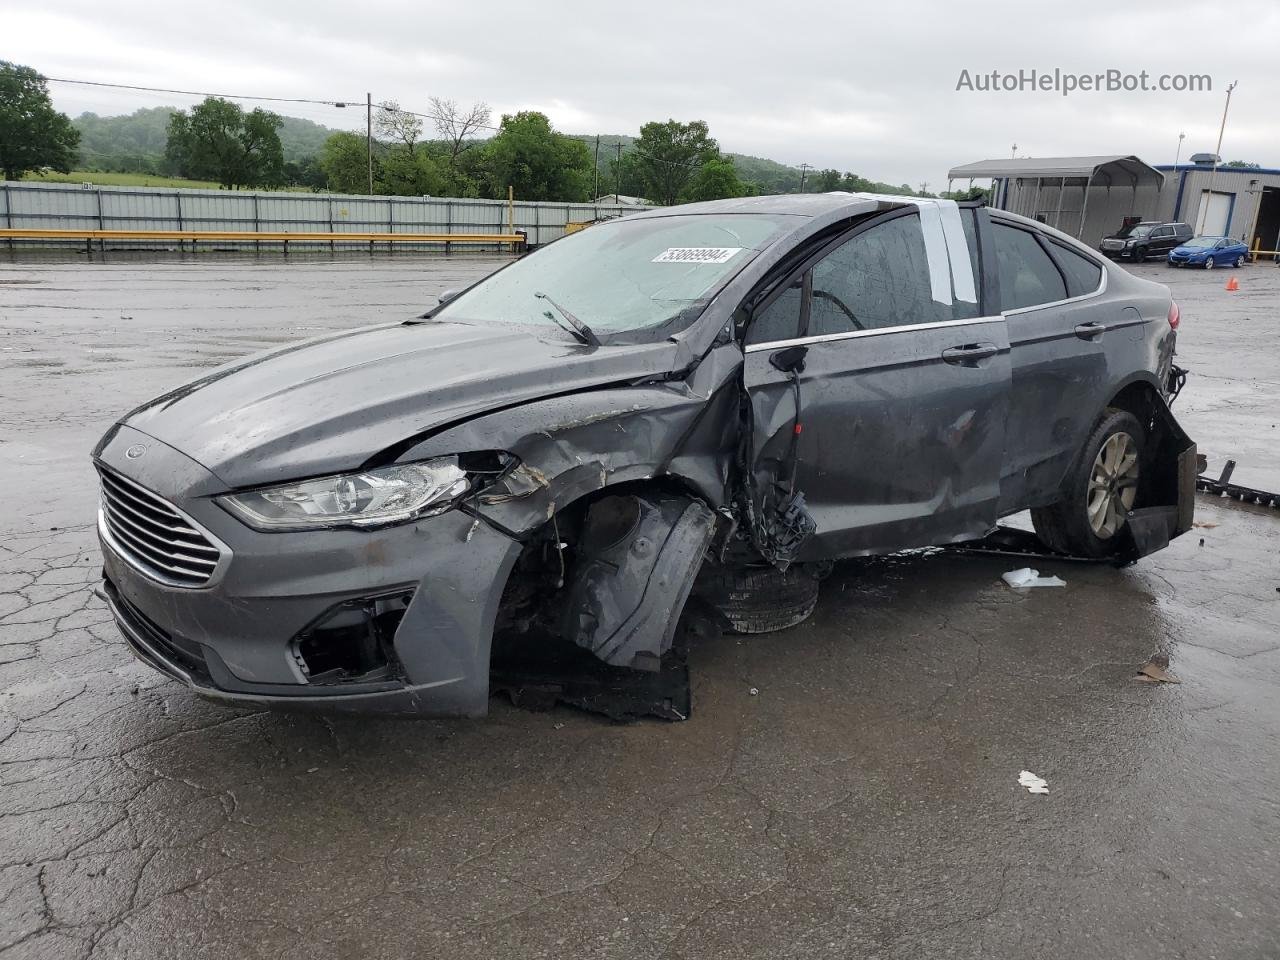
(864, 804)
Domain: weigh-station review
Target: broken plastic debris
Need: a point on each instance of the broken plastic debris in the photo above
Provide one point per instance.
(1033, 783)
(1156, 670)
(1027, 577)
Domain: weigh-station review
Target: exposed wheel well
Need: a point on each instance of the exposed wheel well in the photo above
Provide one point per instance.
(1139, 398)
(538, 575)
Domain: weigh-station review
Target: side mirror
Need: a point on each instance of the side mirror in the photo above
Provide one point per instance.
(447, 296)
(790, 360)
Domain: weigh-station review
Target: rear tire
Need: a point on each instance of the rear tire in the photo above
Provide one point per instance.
(760, 599)
(1101, 487)
(1240, 261)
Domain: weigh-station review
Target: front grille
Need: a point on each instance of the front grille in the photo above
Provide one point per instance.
(155, 536)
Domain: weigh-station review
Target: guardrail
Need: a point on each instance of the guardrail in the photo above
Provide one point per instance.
(516, 240)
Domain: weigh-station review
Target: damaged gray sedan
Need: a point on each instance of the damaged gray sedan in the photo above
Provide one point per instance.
(678, 417)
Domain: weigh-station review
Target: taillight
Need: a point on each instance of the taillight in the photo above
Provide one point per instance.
(1175, 316)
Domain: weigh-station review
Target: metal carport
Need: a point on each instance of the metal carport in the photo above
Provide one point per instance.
(1087, 197)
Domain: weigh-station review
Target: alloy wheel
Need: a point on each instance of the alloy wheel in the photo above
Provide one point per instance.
(1209, 264)
(1113, 485)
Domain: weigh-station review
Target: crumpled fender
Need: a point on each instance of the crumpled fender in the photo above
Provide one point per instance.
(580, 443)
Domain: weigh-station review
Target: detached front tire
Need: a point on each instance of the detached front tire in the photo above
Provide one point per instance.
(1101, 488)
(760, 599)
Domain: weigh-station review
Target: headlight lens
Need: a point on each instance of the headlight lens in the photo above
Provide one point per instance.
(369, 498)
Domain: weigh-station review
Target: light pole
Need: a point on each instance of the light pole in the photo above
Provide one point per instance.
(1217, 157)
(1178, 156)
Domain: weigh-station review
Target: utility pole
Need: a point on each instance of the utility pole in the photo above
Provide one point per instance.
(368, 135)
(1217, 157)
(1015, 150)
(804, 169)
(595, 190)
(617, 173)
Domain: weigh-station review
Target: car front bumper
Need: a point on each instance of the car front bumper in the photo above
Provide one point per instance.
(238, 637)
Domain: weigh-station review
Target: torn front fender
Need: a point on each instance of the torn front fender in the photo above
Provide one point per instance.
(637, 561)
(571, 446)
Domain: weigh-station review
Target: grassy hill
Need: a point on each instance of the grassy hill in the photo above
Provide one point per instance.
(129, 150)
(134, 143)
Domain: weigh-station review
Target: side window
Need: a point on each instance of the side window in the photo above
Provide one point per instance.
(1163, 232)
(1083, 274)
(1027, 276)
(878, 278)
(778, 321)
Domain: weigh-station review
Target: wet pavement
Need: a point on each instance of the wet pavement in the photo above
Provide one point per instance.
(863, 802)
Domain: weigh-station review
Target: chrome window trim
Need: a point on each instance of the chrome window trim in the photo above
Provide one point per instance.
(1102, 288)
(1084, 251)
(858, 334)
(122, 551)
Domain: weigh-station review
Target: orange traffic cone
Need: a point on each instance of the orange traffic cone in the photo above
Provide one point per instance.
(1233, 284)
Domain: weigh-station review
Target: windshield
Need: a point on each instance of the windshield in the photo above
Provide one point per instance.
(650, 275)
(1200, 242)
(1137, 230)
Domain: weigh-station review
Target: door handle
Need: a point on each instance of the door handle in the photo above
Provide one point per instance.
(1090, 331)
(969, 354)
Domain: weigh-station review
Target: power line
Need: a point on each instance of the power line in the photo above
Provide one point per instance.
(350, 102)
(198, 93)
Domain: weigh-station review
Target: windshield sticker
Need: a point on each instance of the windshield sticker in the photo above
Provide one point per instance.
(696, 255)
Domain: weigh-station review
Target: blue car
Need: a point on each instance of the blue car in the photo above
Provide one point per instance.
(1209, 252)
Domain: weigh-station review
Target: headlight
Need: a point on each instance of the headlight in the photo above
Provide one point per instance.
(368, 498)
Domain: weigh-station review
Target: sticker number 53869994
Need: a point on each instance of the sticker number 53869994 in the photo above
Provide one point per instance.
(696, 255)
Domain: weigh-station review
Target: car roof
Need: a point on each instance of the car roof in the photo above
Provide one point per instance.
(792, 204)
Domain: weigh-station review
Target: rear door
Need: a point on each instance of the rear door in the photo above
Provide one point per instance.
(903, 395)
(1060, 332)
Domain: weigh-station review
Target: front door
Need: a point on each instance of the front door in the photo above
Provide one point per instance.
(903, 394)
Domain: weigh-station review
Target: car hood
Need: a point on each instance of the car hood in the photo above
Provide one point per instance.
(1191, 251)
(330, 404)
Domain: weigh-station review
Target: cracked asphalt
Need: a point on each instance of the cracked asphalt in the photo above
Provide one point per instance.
(863, 803)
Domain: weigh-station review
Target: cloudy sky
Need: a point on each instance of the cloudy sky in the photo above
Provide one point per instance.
(864, 87)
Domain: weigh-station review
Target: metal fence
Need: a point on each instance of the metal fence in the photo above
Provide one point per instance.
(32, 205)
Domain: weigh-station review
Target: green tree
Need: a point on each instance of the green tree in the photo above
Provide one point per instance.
(345, 162)
(304, 173)
(826, 181)
(218, 141)
(538, 162)
(33, 135)
(714, 180)
(669, 154)
(407, 173)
